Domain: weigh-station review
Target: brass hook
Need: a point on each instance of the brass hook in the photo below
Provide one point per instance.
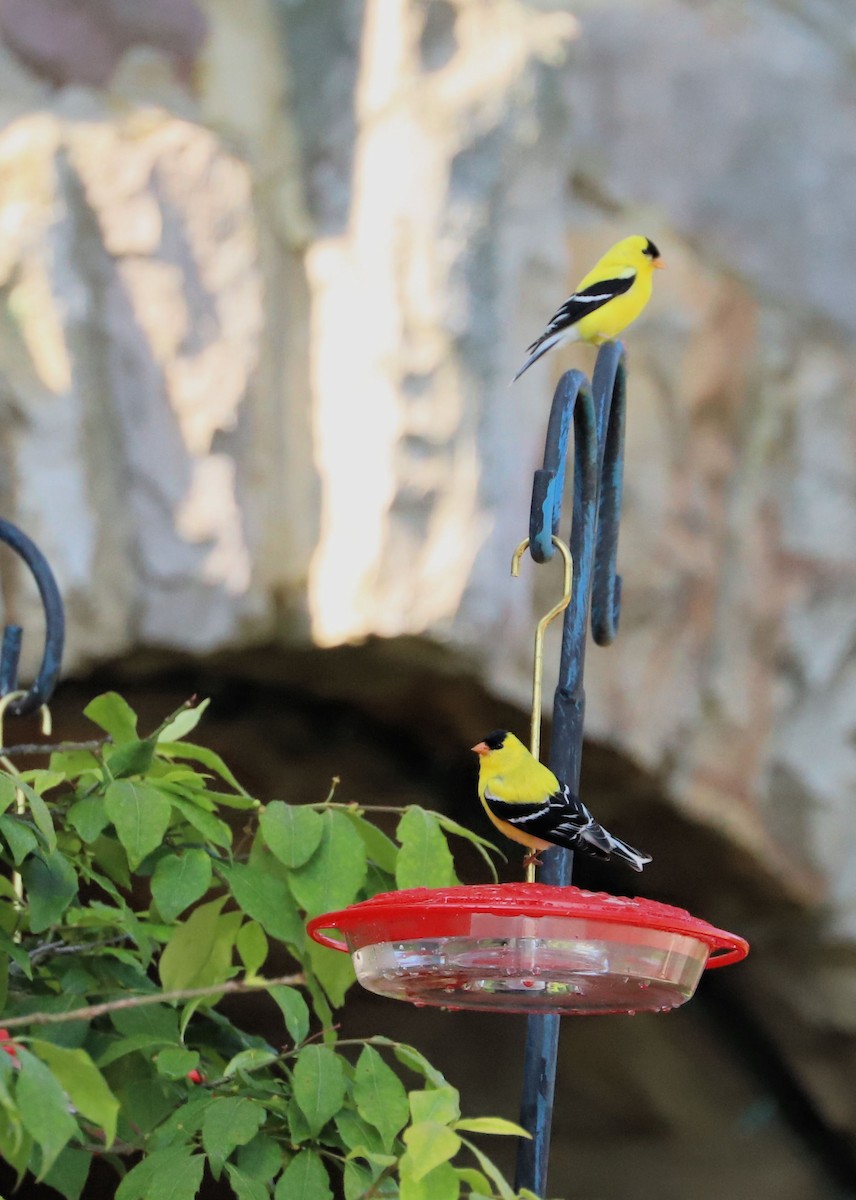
(541, 629)
(538, 670)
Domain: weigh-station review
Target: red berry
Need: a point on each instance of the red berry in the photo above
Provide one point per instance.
(8, 1045)
(195, 1076)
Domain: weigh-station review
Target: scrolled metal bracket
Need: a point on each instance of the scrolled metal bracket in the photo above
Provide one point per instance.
(10, 651)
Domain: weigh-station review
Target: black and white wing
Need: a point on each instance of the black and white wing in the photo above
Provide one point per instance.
(564, 820)
(580, 304)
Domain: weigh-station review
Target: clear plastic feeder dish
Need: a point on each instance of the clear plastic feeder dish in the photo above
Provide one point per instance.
(527, 948)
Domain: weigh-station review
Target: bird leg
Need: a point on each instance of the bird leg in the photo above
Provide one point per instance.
(531, 860)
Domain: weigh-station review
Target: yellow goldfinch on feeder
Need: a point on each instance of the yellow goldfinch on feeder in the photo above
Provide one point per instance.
(612, 295)
(527, 803)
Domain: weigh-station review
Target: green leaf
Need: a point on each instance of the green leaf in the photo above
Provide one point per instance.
(294, 1010)
(121, 1047)
(485, 847)
(179, 880)
(18, 837)
(356, 1133)
(133, 758)
(199, 953)
(175, 1062)
(51, 885)
(333, 970)
(381, 850)
(475, 1180)
(8, 791)
(357, 1179)
(305, 1178)
(491, 1170)
(114, 715)
(183, 722)
(497, 1125)
(334, 874)
(265, 899)
(245, 1187)
(43, 1107)
(146, 1099)
(428, 1144)
(298, 1126)
(440, 1104)
(41, 816)
(74, 763)
(113, 860)
(319, 1085)
(69, 1173)
(208, 758)
(156, 1021)
(141, 815)
(16, 1146)
(441, 1183)
(4, 981)
(379, 1095)
(211, 827)
(88, 817)
(424, 859)
(292, 832)
(261, 1158)
(86, 1086)
(17, 953)
(248, 1060)
(252, 946)
(410, 1057)
(230, 1122)
(173, 1174)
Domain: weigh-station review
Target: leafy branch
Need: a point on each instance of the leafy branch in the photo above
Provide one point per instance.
(128, 914)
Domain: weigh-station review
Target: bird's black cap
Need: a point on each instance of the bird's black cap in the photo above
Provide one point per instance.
(651, 250)
(496, 739)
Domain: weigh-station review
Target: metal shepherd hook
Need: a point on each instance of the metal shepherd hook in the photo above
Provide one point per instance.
(21, 701)
(597, 413)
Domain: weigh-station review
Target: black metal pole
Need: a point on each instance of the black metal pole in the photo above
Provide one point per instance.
(597, 415)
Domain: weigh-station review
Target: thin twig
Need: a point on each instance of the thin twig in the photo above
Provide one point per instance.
(91, 1011)
(54, 949)
(51, 747)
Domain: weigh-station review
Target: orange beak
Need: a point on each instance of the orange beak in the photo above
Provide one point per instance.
(481, 748)
(658, 264)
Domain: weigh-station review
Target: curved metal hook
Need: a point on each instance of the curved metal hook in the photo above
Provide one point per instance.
(540, 630)
(596, 412)
(10, 652)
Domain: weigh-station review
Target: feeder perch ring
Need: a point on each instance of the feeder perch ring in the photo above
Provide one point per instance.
(527, 948)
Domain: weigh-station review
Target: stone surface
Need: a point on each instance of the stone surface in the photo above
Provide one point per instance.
(258, 328)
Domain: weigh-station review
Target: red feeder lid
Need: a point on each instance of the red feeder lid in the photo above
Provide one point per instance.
(445, 912)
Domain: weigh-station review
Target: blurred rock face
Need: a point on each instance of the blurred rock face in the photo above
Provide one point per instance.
(258, 336)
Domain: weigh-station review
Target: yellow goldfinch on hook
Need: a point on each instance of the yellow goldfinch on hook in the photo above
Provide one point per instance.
(612, 295)
(527, 803)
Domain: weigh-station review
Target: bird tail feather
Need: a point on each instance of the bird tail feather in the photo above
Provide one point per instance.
(634, 858)
(538, 349)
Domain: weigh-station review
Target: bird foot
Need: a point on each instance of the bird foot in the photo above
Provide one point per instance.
(531, 860)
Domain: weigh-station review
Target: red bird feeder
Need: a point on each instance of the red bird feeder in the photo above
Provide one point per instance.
(527, 948)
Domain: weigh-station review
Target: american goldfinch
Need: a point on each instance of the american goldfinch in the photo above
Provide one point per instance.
(611, 296)
(527, 803)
